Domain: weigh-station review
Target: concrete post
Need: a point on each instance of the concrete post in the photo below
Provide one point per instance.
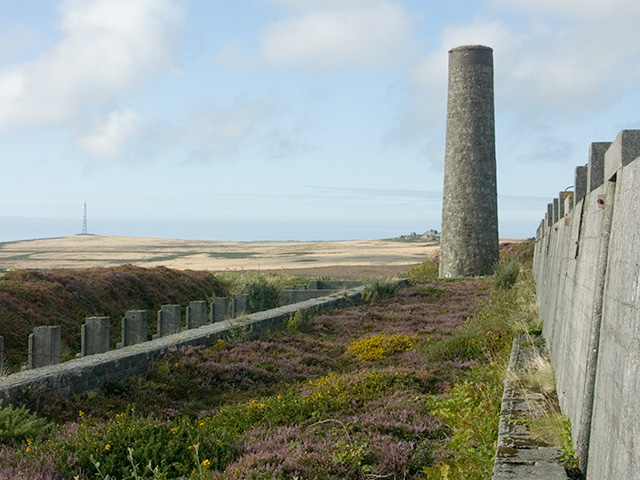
(568, 202)
(624, 149)
(169, 319)
(240, 305)
(556, 211)
(560, 205)
(135, 328)
(1, 355)
(94, 336)
(196, 314)
(469, 243)
(580, 184)
(45, 347)
(221, 309)
(595, 167)
(549, 215)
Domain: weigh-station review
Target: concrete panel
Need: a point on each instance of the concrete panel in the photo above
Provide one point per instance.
(135, 328)
(196, 314)
(221, 309)
(94, 336)
(169, 320)
(240, 305)
(45, 346)
(615, 434)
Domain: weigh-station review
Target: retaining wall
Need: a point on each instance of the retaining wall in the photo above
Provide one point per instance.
(90, 373)
(587, 272)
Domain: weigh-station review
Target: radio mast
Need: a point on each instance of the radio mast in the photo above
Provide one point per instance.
(84, 220)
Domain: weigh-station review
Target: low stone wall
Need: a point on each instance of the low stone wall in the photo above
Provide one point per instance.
(92, 372)
(587, 272)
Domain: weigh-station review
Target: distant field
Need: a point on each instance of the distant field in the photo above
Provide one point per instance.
(325, 258)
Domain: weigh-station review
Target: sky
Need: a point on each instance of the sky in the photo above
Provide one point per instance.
(292, 119)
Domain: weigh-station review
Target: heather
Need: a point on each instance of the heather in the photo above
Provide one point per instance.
(404, 386)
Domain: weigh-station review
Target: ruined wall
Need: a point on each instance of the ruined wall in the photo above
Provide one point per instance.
(587, 272)
(92, 372)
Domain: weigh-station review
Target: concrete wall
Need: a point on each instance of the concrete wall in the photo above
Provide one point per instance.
(90, 373)
(587, 271)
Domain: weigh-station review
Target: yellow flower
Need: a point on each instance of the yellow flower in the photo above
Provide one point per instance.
(175, 430)
(81, 413)
(28, 449)
(107, 447)
(201, 424)
(206, 463)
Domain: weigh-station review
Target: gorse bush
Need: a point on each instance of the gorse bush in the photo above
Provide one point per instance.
(425, 272)
(173, 449)
(381, 346)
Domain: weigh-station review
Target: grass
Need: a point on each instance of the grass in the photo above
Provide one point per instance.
(406, 386)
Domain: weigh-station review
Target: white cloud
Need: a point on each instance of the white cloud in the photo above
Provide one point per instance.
(108, 46)
(321, 35)
(110, 138)
(211, 132)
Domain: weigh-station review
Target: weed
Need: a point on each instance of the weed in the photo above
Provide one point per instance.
(240, 329)
(505, 274)
(263, 295)
(18, 424)
(300, 321)
(378, 288)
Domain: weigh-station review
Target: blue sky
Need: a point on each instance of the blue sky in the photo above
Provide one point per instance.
(292, 119)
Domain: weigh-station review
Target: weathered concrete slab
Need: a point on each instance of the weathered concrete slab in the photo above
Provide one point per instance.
(169, 320)
(520, 456)
(94, 336)
(220, 309)
(45, 346)
(135, 328)
(240, 305)
(196, 314)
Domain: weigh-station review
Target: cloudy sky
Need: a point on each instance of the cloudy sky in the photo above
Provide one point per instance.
(292, 119)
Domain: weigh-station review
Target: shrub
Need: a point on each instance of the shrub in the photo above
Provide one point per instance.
(18, 424)
(300, 321)
(263, 295)
(380, 346)
(426, 272)
(505, 274)
(379, 288)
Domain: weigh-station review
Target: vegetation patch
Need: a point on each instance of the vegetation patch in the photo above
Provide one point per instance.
(381, 346)
(389, 389)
